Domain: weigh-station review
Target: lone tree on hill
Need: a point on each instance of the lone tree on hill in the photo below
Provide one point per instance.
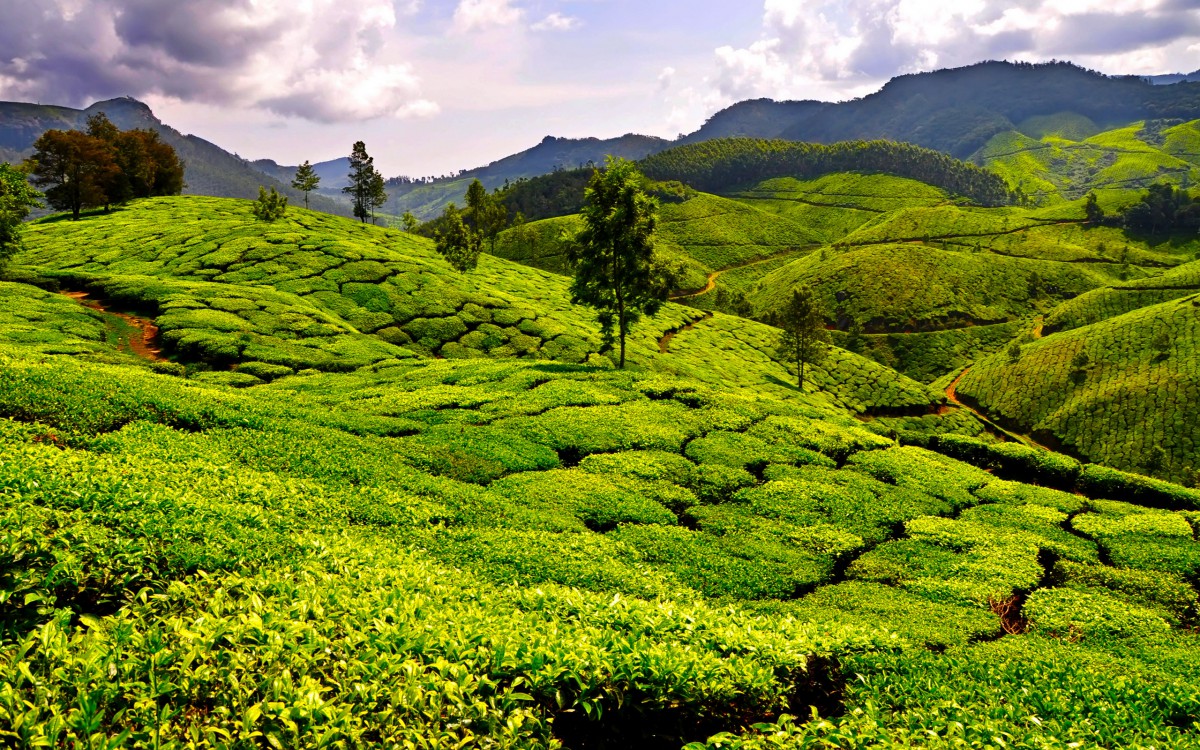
(306, 180)
(17, 199)
(458, 242)
(803, 338)
(269, 206)
(613, 254)
(486, 214)
(1092, 210)
(366, 184)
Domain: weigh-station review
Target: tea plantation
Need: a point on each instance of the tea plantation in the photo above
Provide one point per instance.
(369, 501)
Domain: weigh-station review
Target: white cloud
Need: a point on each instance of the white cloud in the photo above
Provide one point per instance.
(471, 15)
(841, 48)
(325, 60)
(557, 22)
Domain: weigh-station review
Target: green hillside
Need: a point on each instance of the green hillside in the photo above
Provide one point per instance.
(1065, 163)
(1131, 404)
(504, 552)
(1118, 299)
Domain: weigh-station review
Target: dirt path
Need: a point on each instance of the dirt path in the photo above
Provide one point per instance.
(137, 336)
(952, 397)
(712, 277)
(1039, 325)
(664, 344)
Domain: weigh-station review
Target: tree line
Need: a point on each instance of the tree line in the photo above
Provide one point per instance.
(1163, 209)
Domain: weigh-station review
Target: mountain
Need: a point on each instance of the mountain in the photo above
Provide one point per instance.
(957, 110)
(334, 173)
(210, 170)
(426, 198)
(1170, 78)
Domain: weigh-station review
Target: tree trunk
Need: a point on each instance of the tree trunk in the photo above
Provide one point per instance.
(800, 367)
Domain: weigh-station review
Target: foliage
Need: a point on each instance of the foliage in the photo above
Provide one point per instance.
(1163, 208)
(723, 165)
(803, 337)
(366, 188)
(17, 199)
(458, 243)
(269, 206)
(612, 254)
(306, 180)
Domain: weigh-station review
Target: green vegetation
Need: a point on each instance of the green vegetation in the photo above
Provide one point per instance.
(1105, 391)
(269, 206)
(306, 180)
(17, 199)
(360, 498)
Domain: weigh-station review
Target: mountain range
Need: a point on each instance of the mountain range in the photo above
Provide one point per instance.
(957, 111)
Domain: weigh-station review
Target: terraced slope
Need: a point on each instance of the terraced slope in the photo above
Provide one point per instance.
(314, 291)
(1057, 166)
(1130, 405)
(516, 553)
(1118, 299)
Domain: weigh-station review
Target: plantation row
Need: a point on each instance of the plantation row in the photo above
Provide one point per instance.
(532, 560)
(1119, 391)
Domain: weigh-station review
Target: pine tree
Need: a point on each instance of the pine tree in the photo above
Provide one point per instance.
(366, 188)
(613, 254)
(306, 180)
(486, 214)
(803, 338)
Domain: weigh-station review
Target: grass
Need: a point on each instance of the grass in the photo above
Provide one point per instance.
(516, 550)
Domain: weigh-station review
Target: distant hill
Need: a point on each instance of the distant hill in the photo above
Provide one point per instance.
(334, 174)
(958, 110)
(427, 198)
(211, 170)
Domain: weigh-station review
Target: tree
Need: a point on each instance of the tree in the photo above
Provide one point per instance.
(74, 168)
(269, 206)
(17, 199)
(306, 180)
(613, 254)
(803, 338)
(410, 221)
(458, 242)
(146, 165)
(1014, 352)
(486, 214)
(366, 188)
(1092, 210)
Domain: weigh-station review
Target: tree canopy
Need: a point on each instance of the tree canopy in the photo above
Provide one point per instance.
(306, 180)
(803, 337)
(366, 188)
(17, 199)
(613, 254)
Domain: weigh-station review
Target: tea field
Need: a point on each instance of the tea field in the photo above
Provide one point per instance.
(370, 501)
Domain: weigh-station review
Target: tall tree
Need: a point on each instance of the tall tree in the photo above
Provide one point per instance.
(486, 214)
(803, 338)
(366, 188)
(17, 199)
(457, 241)
(613, 254)
(146, 165)
(306, 180)
(74, 168)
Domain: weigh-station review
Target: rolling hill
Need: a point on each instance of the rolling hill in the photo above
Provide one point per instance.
(361, 498)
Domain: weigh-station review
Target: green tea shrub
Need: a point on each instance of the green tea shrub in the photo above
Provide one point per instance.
(1074, 614)
(745, 451)
(1165, 593)
(1102, 481)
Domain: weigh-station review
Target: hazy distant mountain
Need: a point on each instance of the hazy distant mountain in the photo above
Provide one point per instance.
(334, 174)
(1165, 80)
(210, 169)
(427, 198)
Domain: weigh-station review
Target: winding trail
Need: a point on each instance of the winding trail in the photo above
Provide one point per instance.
(952, 397)
(712, 277)
(138, 336)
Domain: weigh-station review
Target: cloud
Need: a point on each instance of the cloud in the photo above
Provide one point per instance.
(557, 22)
(471, 15)
(324, 60)
(840, 48)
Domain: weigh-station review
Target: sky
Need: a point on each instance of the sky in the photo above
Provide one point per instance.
(434, 86)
